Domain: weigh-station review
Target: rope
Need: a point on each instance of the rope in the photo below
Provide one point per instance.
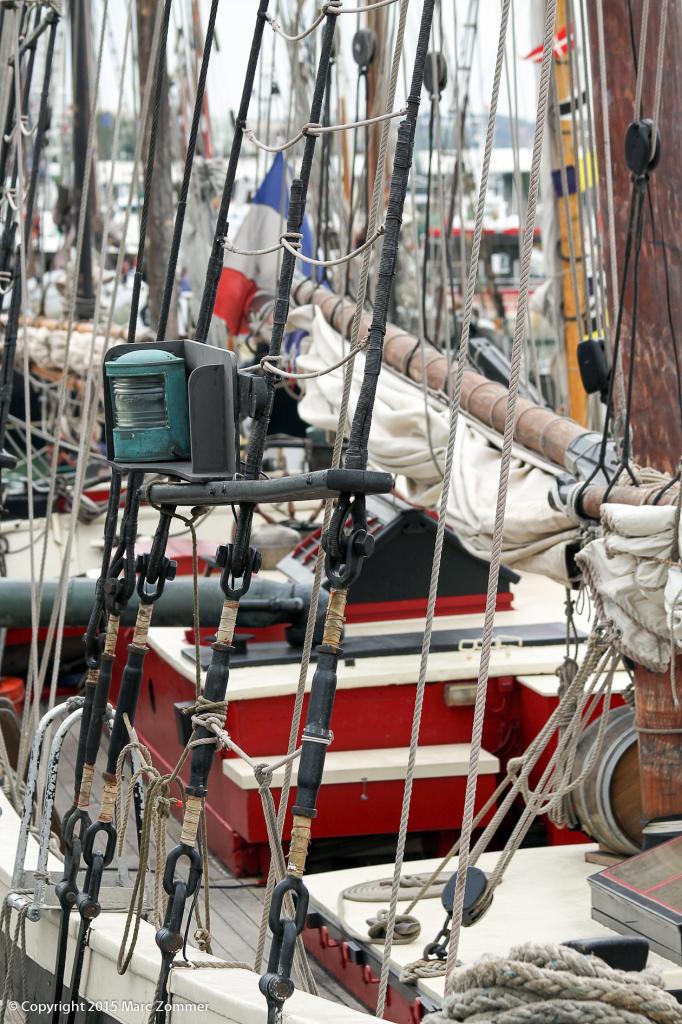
(310, 375)
(442, 510)
(641, 58)
(331, 7)
(11, 945)
(538, 984)
(374, 215)
(319, 129)
(505, 463)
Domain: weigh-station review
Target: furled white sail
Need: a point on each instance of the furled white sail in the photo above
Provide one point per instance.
(536, 535)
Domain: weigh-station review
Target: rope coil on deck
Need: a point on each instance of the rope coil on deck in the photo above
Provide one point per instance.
(542, 984)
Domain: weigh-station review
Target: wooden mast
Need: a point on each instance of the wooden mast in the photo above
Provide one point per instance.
(656, 427)
(574, 304)
(80, 67)
(162, 201)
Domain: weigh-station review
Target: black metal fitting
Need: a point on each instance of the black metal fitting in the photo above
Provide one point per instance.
(74, 816)
(89, 906)
(316, 734)
(96, 829)
(166, 571)
(195, 869)
(235, 580)
(347, 546)
(435, 87)
(276, 984)
(169, 936)
(639, 147)
(364, 48)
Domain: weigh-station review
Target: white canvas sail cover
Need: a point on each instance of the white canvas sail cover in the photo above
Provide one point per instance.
(634, 581)
(536, 536)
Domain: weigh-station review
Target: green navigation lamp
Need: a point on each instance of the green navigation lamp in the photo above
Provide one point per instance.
(150, 406)
(174, 407)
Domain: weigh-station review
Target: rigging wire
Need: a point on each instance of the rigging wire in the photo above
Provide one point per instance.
(181, 208)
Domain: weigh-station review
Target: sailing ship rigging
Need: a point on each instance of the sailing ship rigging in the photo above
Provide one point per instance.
(393, 401)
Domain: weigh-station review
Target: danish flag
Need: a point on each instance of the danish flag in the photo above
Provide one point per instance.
(560, 47)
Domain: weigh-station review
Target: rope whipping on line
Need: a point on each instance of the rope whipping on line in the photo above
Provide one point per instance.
(238, 562)
(346, 549)
(375, 213)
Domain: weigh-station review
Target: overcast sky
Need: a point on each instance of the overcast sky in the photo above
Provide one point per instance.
(235, 27)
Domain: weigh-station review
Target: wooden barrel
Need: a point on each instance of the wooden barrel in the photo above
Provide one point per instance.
(608, 804)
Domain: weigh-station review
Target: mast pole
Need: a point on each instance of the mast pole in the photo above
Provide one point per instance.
(80, 66)
(656, 407)
(575, 311)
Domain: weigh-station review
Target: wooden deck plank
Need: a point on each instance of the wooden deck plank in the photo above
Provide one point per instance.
(236, 904)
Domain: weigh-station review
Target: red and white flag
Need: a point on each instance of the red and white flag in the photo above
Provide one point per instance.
(560, 47)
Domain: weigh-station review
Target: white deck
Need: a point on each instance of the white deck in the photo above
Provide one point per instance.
(539, 600)
(544, 898)
(447, 760)
(548, 685)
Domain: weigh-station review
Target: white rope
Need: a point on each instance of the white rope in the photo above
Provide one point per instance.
(332, 7)
(291, 241)
(641, 59)
(312, 128)
(539, 983)
(286, 244)
(659, 74)
(375, 212)
(442, 507)
(311, 375)
(505, 463)
(29, 722)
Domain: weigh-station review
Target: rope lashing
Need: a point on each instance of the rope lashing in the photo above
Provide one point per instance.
(331, 7)
(537, 984)
(269, 366)
(292, 240)
(315, 129)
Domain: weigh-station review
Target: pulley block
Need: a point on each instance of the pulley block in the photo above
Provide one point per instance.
(639, 148)
(594, 368)
(441, 69)
(364, 47)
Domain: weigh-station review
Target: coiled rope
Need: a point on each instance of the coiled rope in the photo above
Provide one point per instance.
(540, 984)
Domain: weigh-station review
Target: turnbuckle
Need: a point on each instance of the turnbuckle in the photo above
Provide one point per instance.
(234, 587)
(347, 546)
(276, 985)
